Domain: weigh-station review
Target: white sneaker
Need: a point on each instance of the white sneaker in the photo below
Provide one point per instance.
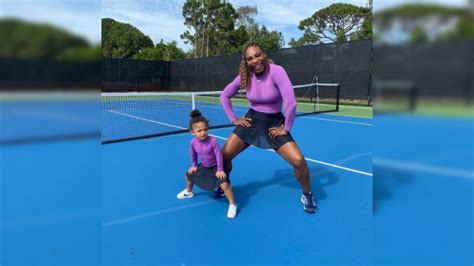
(232, 211)
(185, 194)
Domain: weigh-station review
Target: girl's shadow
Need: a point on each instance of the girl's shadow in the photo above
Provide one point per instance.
(320, 178)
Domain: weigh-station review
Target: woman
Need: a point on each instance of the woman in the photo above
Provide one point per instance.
(268, 90)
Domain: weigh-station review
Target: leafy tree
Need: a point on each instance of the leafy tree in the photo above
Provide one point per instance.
(246, 18)
(213, 22)
(305, 40)
(269, 39)
(122, 40)
(418, 35)
(193, 12)
(28, 40)
(162, 51)
(93, 53)
(235, 41)
(337, 22)
(419, 19)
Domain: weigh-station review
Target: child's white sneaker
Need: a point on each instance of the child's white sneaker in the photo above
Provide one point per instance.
(185, 194)
(232, 211)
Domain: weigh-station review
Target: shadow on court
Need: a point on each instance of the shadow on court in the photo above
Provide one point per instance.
(386, 181)
(320, 178)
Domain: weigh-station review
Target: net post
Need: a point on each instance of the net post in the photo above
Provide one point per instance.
(193, 100)
(338, 95)
(317, 94)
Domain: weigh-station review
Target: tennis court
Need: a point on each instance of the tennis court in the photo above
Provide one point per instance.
(50, 184)
(421, 194)
(144, 222)
(423, 189)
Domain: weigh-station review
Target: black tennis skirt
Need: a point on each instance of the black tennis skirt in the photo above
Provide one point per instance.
(205, 178)
(257, 133)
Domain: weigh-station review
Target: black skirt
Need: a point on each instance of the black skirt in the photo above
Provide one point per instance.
(205, 178)
(257, 133)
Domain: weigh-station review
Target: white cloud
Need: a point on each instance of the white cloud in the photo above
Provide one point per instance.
(159, 20)
(162, 19)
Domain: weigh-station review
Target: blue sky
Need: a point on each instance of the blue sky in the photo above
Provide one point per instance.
(81, 17)
(162, 19)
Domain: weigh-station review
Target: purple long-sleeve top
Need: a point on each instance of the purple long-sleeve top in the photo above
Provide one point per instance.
(267, 93)
(208, 150)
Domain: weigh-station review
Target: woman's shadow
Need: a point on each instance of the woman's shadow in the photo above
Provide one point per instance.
(320, 178)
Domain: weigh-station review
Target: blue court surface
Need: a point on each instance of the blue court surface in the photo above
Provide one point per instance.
(50, 179)
(144, 222)
(50, 203)
(423, 190)
(63, 201)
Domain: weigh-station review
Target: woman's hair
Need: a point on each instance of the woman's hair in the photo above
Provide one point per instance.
(244, 69)
(196, 117)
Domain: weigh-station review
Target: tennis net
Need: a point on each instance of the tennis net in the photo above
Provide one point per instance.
(130, 116)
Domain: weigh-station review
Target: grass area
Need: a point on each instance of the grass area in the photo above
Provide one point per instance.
(431, 107)
(448, 110)
(357, 111)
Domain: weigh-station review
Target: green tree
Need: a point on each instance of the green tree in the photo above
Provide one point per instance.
(162, 51)
(269, 39)
(122, 40)
(193, 12)
(418, 19)
(335, 23)
(305, 40)
(246, 18)
(28, 40)
(93, 53)
(213, 23)
(234, 43)
(418, 35)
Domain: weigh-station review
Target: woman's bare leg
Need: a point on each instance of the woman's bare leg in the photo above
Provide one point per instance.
(292, 154)
(233, 146)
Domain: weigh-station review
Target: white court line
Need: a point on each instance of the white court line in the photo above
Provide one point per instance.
(210, 201)
(345, 160)
(452, 172)
(316, 161)
(56, 116)
(149, 214)
(339, 121)
(223, 138)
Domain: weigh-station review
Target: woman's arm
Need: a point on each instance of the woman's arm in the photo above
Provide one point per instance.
(230, 90)
(283, 83)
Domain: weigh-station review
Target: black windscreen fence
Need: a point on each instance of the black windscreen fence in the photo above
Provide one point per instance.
(438, 70)
(37, 74)
(135, 75)
(346, 63)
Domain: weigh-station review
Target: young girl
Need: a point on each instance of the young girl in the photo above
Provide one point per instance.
(209, 174)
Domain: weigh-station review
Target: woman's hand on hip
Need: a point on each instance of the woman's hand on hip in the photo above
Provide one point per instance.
(274, 132)
(243, 121)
